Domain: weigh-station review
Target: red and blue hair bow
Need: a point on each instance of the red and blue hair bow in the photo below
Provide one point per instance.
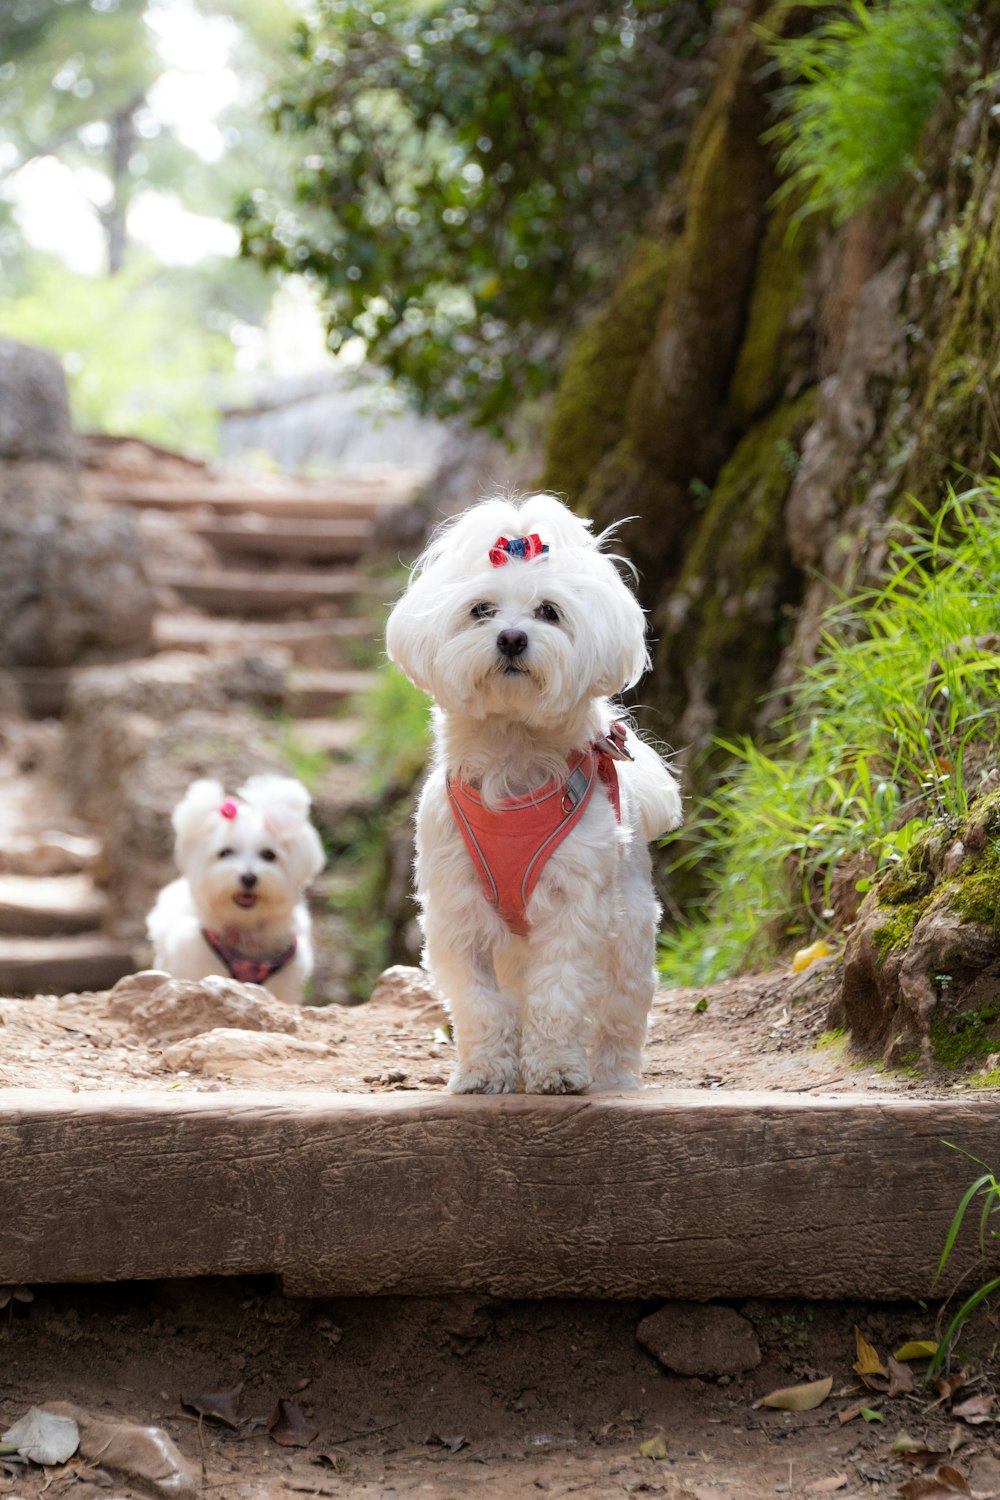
(504, 548)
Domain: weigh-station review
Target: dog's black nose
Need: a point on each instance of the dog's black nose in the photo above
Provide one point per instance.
(512, 643)
(248, 881)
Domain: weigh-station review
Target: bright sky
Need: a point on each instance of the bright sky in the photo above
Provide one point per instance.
(56, 206)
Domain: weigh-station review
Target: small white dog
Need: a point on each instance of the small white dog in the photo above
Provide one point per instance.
(237, 908)
(533, 871)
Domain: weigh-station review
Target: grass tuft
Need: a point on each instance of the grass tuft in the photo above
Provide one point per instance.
(886, 737)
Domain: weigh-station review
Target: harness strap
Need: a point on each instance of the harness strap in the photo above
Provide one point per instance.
(510, 844)
(243, 967)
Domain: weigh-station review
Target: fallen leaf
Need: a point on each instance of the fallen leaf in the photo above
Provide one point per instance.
(828, 1486)
(850, 1412)
(654, 1447)
(700, 1005)
(290, 1426)
(917, 1349)
(806, 956)
(867, 1363)
(44, 1437)
(917, 1451)
(900, 1377)
(947, 1385)
(336, 1461)
(872, 1414)
(798, 1397)
(943, 1485)
(975, 1409)
(216, 1406)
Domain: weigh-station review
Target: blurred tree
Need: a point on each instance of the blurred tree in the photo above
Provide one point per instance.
(469, 174)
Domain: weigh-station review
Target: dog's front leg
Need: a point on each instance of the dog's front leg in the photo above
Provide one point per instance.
(564, 964)
(484, 1014)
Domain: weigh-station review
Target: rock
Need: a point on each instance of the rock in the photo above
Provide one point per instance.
(921, 973)
(160, 1010)
(34, 406)
(230, 1049)
(146, 1455)
(700, 1338)
(72, 583)
(413, 989)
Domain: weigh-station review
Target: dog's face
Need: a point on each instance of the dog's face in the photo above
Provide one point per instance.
(487, 631)
(247, 858)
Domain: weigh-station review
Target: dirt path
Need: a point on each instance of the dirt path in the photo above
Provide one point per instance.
(465, 1397)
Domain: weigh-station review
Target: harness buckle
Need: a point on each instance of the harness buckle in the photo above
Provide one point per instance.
(613, 743)
(577, 783)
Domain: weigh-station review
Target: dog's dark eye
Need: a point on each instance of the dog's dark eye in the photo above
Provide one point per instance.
(269, 855)
(225, 853)
(483, 611)
(546, 611)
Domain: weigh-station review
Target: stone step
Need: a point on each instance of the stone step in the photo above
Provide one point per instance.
(333, 736)
(49, 906)
(313, 643)
(665, 1194)
(314, 692)
(52, 852)
(228, 592)
(290, 539)
(59, 965)
(354, 497)
(42, 689)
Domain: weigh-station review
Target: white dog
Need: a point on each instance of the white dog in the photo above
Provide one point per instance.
(532, 868)
(237, 908)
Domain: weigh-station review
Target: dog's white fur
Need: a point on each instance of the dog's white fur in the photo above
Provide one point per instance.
(270, 839)
(565, 1007)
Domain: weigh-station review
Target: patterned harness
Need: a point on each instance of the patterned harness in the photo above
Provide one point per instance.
(241, 966)
(510, 844)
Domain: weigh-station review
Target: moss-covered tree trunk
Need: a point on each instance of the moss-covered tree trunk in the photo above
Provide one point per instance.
(763, 403)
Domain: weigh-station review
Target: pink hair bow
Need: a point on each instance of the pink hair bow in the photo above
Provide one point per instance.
(229, 809)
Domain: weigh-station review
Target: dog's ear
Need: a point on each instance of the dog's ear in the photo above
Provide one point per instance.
(617, 636)
(410, 635)
(201, 799)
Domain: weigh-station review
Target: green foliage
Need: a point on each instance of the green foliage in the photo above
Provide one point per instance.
(987, 1188)
(886, 735)
(395, 744)
(859, 89)
(470, 172)
(137, 353)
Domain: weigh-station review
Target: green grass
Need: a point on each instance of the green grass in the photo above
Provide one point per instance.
(858, 91)
(987, 1188)
(884, 739)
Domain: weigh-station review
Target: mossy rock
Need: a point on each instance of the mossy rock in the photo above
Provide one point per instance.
(921, 969)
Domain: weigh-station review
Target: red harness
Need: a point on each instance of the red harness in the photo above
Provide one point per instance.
(242, 966)
(510, 843)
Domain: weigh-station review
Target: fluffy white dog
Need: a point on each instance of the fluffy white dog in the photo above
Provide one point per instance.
(533, 871)
(237, 908)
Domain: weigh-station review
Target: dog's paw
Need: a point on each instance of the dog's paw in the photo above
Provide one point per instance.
(482, 1080)
(558, 1078)
(615, 1081)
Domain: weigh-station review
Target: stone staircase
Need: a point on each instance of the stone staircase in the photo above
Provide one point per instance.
(286, 569)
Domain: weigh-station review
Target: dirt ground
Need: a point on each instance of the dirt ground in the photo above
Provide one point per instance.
(456, 1397)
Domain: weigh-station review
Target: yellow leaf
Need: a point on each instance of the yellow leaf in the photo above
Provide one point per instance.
(867, 1362)
(806, 956)
(799, 1397)
(654, 1447)
(917, 1349)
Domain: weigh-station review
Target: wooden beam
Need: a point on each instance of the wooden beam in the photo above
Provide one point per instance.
(683, 1194)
